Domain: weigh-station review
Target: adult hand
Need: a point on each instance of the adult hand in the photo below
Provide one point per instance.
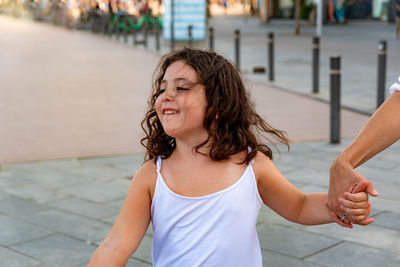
(343, 178)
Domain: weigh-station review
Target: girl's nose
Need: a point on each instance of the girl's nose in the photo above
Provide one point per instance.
(169, 94)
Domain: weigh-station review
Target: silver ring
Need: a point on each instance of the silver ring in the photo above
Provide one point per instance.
(344, 216)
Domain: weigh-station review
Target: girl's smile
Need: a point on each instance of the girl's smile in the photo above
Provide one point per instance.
(181, 104)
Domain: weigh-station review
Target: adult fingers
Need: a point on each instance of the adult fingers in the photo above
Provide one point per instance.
(367, 186)
(336, 219)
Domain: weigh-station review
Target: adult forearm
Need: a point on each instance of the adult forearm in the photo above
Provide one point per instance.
(381, 130)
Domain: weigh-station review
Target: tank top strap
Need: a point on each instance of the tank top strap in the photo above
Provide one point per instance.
(158, 164)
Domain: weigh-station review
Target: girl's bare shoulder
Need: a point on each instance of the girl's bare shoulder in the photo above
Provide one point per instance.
(146, 176)
(262, 165)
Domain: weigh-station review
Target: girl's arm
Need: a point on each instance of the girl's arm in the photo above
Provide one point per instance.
(292, 204)
(131, 224)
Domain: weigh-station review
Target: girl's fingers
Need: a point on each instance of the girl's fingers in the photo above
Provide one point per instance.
(366, 221)
(359, 219)
(353, 205)
(355, 212)
(356, 197)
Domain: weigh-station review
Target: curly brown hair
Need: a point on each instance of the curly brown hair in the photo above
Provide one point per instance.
(231, 120)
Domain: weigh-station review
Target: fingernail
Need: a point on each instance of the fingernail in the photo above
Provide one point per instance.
(374, 192)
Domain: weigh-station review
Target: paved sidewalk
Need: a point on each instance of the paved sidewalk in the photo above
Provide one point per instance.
(74, 105)
(55, 213)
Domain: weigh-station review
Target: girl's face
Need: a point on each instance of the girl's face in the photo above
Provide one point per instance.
(182, 103)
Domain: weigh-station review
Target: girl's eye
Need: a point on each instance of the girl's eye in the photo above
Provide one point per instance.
(182, 89)
(161, 91)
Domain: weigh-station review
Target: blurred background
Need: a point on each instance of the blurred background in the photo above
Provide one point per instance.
(75, 78)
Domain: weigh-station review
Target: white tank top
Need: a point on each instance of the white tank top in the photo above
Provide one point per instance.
(213, 230)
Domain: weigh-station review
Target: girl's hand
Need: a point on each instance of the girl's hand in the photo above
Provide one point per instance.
(356, 206)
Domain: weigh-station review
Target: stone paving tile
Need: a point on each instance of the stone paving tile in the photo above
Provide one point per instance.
(19, 231)
(130, 162)
(100, 172)
(57, 250)
(308, 175)
(331, 148)
(3, 195)
(132, 167)
(100, 191)
(378, 175)
(143, 252)
(71, 224)
(84, 207)
(388, 220)
(13, 178)
(32, 192)
(274, 259)
(385, 204)
(110, 219)
(11, 258)
(292, 242)
(55, 178)
(310, 188)
(372, 236)
(316, 163)
(18, 207)
(388, 190)
(383, 163)
(271, 217)
(149, 231)
(137, 263)
(117, 203)
(64, 163)
(350, 254)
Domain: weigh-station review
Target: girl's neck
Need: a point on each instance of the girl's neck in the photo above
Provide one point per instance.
(188, 151)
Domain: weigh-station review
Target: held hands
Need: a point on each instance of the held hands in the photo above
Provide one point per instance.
(356, 207)
(348, 195)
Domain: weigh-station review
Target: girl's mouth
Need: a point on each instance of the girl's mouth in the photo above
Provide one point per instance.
(170, 111)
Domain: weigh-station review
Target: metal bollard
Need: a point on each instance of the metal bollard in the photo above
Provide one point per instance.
(118, 30)
(103, 24)
(211, 39)
(134, 42)
(315, 67)
(237, 49)
(145, 34)
(335, 99)
(190, 37)
(125, 34)
(382, 48)
(157, 39)
(110, 27)
(271, 73)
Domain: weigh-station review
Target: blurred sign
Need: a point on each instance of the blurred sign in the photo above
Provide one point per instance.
(186, 12)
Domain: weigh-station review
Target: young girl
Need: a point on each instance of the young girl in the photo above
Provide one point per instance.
(208, 173)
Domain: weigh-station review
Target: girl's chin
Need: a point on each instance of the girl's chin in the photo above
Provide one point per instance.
(171, 133)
